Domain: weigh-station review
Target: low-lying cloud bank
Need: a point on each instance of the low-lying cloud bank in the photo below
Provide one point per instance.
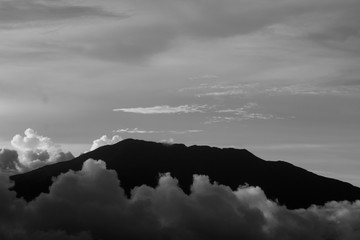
(90, 204)
(31, 151)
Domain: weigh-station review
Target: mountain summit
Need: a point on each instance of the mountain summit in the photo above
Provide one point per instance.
(139, 162)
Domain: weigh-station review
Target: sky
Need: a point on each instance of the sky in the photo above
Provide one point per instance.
(279, 77)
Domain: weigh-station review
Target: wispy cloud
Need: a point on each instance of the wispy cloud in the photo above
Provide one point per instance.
(142, 131)
(223, 93)
(239, 114)
(20, 11)
(307, 90)
(222, 115)
(164, 109)
(225, 89)
(204, 77)
(221, 89)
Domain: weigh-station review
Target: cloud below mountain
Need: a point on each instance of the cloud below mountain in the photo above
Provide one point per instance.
(89, 204)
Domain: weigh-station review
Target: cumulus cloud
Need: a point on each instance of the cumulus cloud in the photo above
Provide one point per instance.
(31, 151)
(105, 140)
(164, 109)
(35, 150)
(90, 204)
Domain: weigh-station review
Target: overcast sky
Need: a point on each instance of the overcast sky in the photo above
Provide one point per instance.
(279, 77)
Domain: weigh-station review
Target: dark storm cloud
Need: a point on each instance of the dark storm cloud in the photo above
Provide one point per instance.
(89, 204)
(20, 11)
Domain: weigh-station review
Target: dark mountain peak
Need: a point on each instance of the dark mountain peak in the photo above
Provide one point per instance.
(140, 162)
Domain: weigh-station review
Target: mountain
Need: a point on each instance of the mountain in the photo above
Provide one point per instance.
(140, 162)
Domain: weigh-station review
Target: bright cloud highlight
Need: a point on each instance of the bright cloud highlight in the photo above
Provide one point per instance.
(31, 151)
(164, 109)
(105, 140)
(142, 131)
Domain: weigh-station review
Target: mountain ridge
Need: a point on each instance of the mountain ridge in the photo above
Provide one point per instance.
(139, 162)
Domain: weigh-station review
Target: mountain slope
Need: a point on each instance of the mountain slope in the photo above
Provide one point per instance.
(140, 162)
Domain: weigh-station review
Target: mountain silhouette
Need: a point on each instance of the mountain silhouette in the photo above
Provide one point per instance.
(139, 162)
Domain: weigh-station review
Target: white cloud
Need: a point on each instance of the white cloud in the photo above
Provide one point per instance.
(104, 140)
(249, 90)
(239, 114)
(31, 141)
(31, 151)
(223, 89)
(223, 93)
(93, 196)
(141, 131)
(164, 109)
(168, 141)
(136, 130)
(310, 90)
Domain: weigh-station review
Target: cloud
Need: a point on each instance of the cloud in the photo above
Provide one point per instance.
(227, 115)
(22, 12)
(169, 141)
(90, 204)
(239, 114)
(9, 161)
(35, 150)
(141, 131)
(205, 77)
(31, 151)
(336, 87)
(318, 21)
(104, 140)
(136, 130)
(223, 89)
(223, 93)
(157, 26)
(164, 109)
(308, 90)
